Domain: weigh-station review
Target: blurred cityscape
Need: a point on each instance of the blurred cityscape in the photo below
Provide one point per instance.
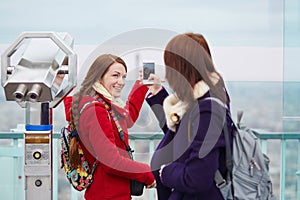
(262, 103)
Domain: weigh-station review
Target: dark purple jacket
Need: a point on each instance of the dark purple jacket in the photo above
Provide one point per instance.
(191, 160)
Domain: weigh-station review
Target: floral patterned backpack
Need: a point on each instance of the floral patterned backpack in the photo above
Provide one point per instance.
(81, 176)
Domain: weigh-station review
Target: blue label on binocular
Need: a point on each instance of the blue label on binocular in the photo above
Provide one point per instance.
(38, 127)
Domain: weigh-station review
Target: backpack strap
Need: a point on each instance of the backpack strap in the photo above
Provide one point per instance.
(84, 106)
(220, 181)
(239, 118)
(218, 178)
(74, 132)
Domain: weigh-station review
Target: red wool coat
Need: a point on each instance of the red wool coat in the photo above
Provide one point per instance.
(100, 138)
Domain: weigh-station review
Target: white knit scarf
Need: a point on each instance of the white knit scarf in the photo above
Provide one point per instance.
(172, 104)
(102, 90)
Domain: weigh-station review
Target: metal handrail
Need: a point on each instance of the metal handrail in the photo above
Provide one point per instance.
(16, 151)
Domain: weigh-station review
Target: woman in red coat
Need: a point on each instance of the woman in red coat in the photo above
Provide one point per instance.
(99, 134)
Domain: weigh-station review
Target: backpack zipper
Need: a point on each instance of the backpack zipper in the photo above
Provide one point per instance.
(253, 164)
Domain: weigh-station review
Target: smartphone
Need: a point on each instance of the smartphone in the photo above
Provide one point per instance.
(148, 68)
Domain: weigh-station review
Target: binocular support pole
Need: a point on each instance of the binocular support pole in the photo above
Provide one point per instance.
(38, 151)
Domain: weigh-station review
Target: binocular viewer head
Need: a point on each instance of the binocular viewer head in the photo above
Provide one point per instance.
(39, 67)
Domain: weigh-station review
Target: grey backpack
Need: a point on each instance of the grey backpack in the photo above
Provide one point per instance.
(248, 167)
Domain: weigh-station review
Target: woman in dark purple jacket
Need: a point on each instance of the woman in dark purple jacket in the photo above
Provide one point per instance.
(192, 118)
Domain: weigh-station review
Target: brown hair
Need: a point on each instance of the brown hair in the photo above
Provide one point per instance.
(188, 61)
(97, 70)
(201, 40)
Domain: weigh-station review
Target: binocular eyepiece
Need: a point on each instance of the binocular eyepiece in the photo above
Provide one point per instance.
(32, 95)
(20, 93)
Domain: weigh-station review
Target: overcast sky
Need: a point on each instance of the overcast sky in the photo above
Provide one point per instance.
(249, 39)
(232, 22)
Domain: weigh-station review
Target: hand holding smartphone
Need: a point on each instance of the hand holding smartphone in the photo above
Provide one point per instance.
(148, 68)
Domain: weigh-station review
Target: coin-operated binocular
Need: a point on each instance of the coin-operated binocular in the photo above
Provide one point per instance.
(38, 71)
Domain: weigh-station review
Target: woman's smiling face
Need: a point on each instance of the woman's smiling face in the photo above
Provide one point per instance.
(114, 79)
